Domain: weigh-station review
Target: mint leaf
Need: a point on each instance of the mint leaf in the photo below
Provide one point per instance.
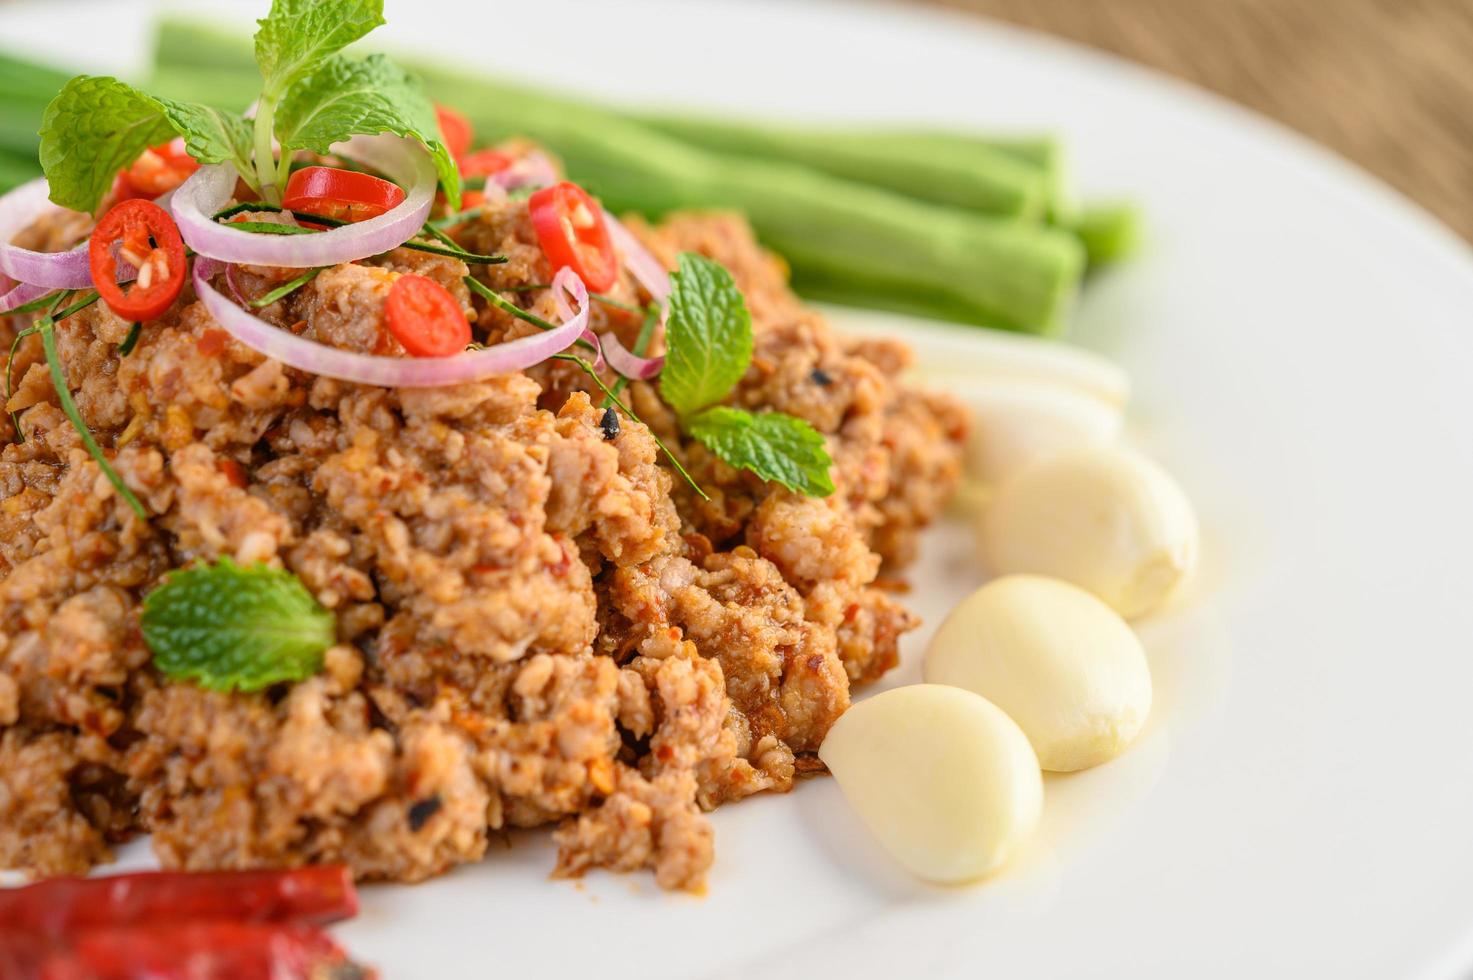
(211, 135)
(708, 336)
(235, 628)
(773, 445)
(344, 97)
(298, 34)
(97, 126)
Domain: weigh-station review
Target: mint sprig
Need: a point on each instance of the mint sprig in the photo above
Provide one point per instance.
(312, 97)
(708, 335)
(344, 96)
(230, 627)
(708, 341)
(773, 445)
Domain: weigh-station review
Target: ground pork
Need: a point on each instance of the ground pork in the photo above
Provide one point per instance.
(537, 622)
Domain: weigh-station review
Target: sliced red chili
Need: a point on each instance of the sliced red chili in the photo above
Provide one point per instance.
(571, 230)
(144, 236)
(456, 131)
(158, 170)
(484, 163)
(60, 906)
(201, 950)
(425, 318)
(346, 195)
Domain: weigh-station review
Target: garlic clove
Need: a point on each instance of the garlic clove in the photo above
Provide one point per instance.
(1017, 423)
(942, 777)
(1107, 520)
(1060, 662)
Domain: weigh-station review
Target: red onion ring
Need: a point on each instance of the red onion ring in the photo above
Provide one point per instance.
(534, 168)
(54, 270)
(232, 279)
(392, 372)
(627, 363)
(21, 294)
(566, 312)
(649, 273)
(642, 265)
(207, 191)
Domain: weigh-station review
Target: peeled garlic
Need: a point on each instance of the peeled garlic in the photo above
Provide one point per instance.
(1108, 520)
(1060, 662)
(1016, 423)
(944, 779)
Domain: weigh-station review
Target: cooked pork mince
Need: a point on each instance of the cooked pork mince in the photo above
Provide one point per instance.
(536, 624)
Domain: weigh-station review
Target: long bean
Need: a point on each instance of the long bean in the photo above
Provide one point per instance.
(846, 239)
(977, 177)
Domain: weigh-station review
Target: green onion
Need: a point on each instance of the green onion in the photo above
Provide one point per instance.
(286, 289)
(450, 221)
(130, 341)
(271, 228)
(506, 305)
(69, 407)
(10, 381)
(470, 258)
(235, 209)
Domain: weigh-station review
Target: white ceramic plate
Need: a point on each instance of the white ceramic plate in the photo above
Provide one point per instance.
(1300, 338)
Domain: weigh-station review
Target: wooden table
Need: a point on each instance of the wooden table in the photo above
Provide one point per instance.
(1387, 83)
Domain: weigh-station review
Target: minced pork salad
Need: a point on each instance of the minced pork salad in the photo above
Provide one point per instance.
(365, 492)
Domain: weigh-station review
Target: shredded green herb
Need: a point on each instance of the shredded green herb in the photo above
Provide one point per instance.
(502, 303)
(449, 221)
(444, 239)
(469, 258)
(532, 287)
(286, 289)
(271, 228)
(130, 341)
(450, 248)
(242, 208)
(77, 307)
(615, 303)
(69, 407)
(20, 436)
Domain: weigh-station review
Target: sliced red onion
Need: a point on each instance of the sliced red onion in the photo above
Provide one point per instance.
(567, 276)
(20, 294)
(642, 265)
(534, 168)
(628, 363)
(232, 279)
(391, 372)
(54, 270)
(404, 161)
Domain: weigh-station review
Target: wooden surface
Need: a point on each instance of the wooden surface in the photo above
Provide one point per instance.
(1386, 83)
